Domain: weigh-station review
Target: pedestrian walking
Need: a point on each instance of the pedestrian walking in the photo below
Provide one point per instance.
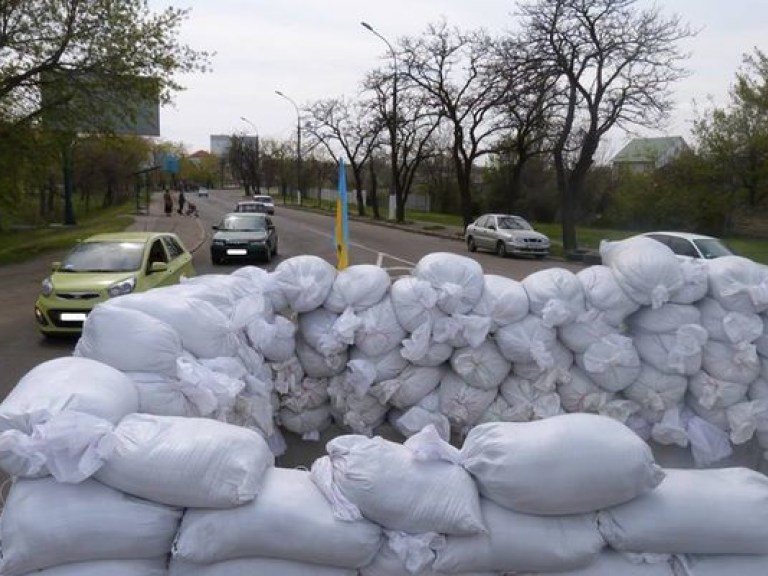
(182, 200)
(168, 202)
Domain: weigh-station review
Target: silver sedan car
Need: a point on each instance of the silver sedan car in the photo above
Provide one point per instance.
(506, 234)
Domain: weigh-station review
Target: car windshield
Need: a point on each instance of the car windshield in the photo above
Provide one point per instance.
(264, 199)
(250, 207)
(246, 222)
(104, 257)
(513, 223)
(712, 248)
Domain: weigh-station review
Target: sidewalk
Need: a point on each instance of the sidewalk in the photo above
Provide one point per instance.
(188, 228)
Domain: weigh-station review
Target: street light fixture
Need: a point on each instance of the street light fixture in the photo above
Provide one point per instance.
(393, 197)
(298, 142)
(258, 159)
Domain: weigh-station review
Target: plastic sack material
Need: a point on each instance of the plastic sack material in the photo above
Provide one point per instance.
(678, 352)
(276, 340)
(719, 564)
(482, 367)
(317, 365)
(719, 511)
(461, 403)
(733, 364)
(739, 284)
(588, 328)
(458, 280)
(612, 362)
(291, 520)
(305, 281)
(609, 563)
(695, 281)
(409, 386)
(665, 319)
(378, 331)
(54, 388)
(729, 327)
(555, 295)
(518, 542)
(528, 340)
(504, 301)
(603, 293)
(413, 301)
(584, 472)
(45, 524)
(194, 462)
(256, 566)
(358, 287)
(528, 400)
(149, 567)
(386, 483)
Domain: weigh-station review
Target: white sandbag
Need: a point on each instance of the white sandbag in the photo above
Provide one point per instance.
(611, 362)
(304, 394)
(729, 327)
(584, 471)
(528, 340)
(253, 277)
(555, 295)
(587, 329)
(240, 283)
(677, 352)
(385, 366)
(379, 331)
(305, 281)
(317, 365)
(276, 340)
(498, 411)
(714, 393)
(517, 542)
(162, 395)
(504, 301)
(416, 418)
(204, 330)
(603, 293)
(359, 286)
(695, 281)
(307, 421)
(255, 566)
(291, 519)
(720, 564)
(397, 486)
(129, 340)
(318, 329)
(62, 387)
(413, 301)
(609, 563)
(411, 385)
(717, 511)
(420, 349)
(458, 280)
(461, 403)
(460, 330)
(361, 411)
(46, 523)
(194, 462)
(578, 393)
(727, 362)
(665, 319)
(656, 391)
(739, 284)
(149, 567)
(647, 270)
(530, 400)
(556, 359)
(482, 367)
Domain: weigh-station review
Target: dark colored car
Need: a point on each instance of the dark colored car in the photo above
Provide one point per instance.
(244, 236)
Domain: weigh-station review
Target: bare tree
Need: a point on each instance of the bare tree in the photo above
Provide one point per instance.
(350, 126)
(243, 158)
(456, 74)
(615, 64)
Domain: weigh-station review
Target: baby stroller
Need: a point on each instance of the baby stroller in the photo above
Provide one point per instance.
(191, 209)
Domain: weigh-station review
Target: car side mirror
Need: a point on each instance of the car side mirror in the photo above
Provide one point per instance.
(158, 267)
(55, 266)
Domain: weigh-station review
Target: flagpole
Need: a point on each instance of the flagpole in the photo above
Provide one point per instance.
(342, 220)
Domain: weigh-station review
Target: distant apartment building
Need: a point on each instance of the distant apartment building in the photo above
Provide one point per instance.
(220, 143)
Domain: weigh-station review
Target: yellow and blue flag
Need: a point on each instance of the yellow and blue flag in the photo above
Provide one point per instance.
(342, 220)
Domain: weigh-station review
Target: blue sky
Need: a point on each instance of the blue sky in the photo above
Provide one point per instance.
(312, 49)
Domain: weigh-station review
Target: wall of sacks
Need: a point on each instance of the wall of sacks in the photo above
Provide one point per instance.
(156, 440)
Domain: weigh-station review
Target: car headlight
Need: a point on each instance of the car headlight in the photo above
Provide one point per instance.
(47, 287)
(123, 287)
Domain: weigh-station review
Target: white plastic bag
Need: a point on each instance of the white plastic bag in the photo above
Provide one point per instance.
(305, 281)
(458, 280)
(359, 286)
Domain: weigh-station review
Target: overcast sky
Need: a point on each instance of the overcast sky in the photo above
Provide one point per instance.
(317, 49)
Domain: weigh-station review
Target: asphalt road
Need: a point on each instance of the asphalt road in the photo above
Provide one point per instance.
(300, 232)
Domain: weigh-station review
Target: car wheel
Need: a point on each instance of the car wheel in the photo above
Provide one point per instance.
(471, 246)
(274, 249)
(501, 249)
(268, 255)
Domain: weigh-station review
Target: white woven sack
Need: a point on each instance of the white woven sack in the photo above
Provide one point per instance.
(305, 281)
(205, 330)
(194, 462)
(149, 567)
(677, 352)
(665, 319)
(609, 563)
(56, 388)
(385, 366)
(482, 367)
(276, 340)
(307, 421)
(254, 278)
(719, 564)
(578, 393)
(587, 329)
(305, 394)
(379, 331)
(647, 270)
(729, 327)
(528, 340)
(45, 523)
(556, 295)
(602, 292)
(359, 286)
(458, 280)
(560, 465)
(291, 519)
(409, 386)
(739, 284)
(504, 301)
(460, 330)
(413, 301)
(557, 359)
(461, 403)
(317, 365)
(529, 400)
(397, 487)
(717, 511)
(255, 566)
(240, 283)
(695, 281)
(656, 391)
(420, 349)
(416, 418)
(520, 542)
(612, 362)
(318, 329)
(714, 393)
(129, 340)
(727, 362)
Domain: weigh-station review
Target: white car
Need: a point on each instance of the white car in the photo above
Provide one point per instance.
(691, 245)
(202, 192)
(506, 234)
(266, 200)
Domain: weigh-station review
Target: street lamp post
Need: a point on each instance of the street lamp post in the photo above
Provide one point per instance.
(258, 159)
(298, 142)
(393, 196)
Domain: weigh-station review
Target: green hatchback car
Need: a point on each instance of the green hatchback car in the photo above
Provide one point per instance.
(106, 266)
